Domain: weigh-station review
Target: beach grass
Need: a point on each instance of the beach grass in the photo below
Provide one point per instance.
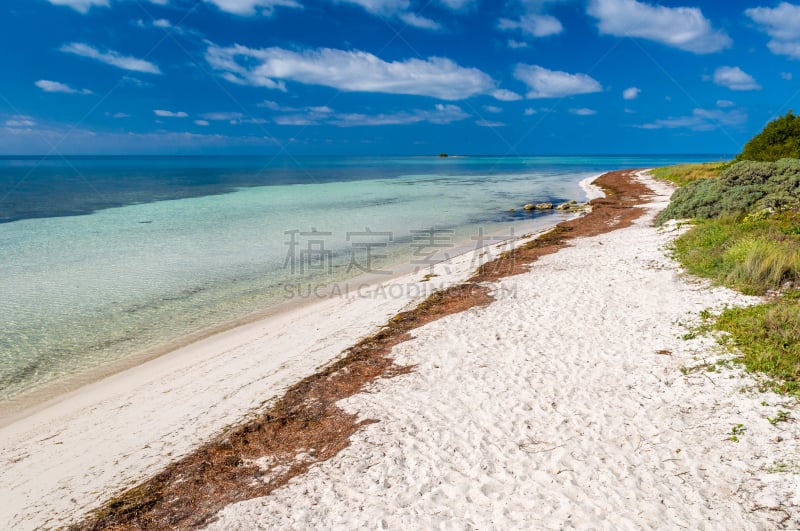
(751, 249)
(767, 336)
(682, 174)
(753, 256)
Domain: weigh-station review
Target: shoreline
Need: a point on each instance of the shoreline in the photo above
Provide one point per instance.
(165, 399)
(367, 360)
(50, 394)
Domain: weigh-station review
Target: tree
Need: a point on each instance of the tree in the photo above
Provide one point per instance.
(779, 139)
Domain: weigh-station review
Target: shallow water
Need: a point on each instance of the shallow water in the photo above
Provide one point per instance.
(101, 258)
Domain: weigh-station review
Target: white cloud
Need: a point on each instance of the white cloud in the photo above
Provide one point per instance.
(111, 57)
(734, 78)
(583, 111)
(631, 93)
(351, 71)
(505, 95)
(684, 28)
(533, 24)
(782, 24)
(81, 6)
(786, 76)
(252, 7)
(118, 115)
(20, 120)
(492, 109)
(546, 83)
(440, 114)
(201, 122)
(725, 103)
(400, 9)
(170, 114)
(489, 123)
(700, 120)
(530, 112)
(515, 45)
(458, 5)
(55, 86)
(224, 116)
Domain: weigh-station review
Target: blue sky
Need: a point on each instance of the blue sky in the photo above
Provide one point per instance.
(393, 76)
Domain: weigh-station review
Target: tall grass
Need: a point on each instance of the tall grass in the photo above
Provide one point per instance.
(753, 256)
(682, 174)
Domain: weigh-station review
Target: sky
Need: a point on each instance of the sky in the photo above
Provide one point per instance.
(393, 77)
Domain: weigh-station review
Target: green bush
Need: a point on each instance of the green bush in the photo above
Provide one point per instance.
(779, 139)
(744, 187)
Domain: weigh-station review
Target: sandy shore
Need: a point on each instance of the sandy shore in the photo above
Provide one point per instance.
(65, 458)
(560, 405)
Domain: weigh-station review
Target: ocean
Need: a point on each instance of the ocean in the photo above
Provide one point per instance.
(105, 258)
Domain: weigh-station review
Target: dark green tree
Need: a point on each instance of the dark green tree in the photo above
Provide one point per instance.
(779, 139)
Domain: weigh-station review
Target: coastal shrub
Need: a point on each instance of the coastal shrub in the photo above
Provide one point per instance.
(744, 187)
(767, 336)
(779, 139)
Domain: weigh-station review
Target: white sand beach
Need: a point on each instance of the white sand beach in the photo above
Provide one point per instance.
(67, 456)
(552, 408)
(560, 405)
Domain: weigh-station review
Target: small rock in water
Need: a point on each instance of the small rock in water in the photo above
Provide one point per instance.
(544, 206)
(529, 206)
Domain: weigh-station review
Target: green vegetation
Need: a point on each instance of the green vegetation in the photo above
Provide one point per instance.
(738, 429)
(767, 335)
(745, 187)
(746, 236)
(779, 139)
(753, 254)
(682, 174)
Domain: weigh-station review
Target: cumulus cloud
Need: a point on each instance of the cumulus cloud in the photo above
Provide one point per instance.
(55, 86)
(111, 57)
(533, 24)
(252, 7)
(684, 28)
(170, 114)
(782, 24)
(351, 71)
(515, 45)
(700, 120)
(20, 120)
(530, 112)
(492, 109)
(544, 83)
(734, 78)
(201, 122)
(81, 6)
(631, 93)
(583, 111)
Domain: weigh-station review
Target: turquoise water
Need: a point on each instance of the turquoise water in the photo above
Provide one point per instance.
(103, 258)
